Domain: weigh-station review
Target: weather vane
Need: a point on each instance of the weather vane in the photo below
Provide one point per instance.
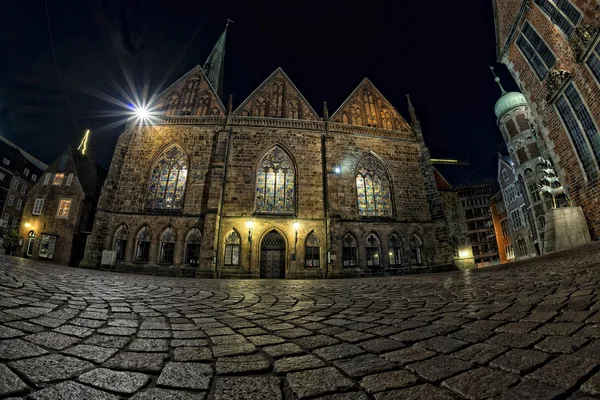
(83, 144)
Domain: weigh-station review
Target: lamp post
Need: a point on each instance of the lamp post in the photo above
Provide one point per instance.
(296, 226)
(249, 225)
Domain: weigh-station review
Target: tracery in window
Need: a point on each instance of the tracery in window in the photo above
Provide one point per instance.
(312, 250)
(356, 115)
(204, 104)
(416, 250)
(167, 246)
(121, 236)
(395, 250)
(233, 246)
(275, 183)
(293, 109)
(373, 246)
(168, 180)
(193, 240)
(259, 107)
(172, 105)
(373, 188)
(386, 120)
(142, 250)
(277, 99)
(369, 103)
(190, 92)
(349, 251)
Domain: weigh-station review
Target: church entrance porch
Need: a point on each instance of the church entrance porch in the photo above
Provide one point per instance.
(272, 256)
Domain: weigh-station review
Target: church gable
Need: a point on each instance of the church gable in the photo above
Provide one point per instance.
(191, 94)
(277, 97)
(366, 106)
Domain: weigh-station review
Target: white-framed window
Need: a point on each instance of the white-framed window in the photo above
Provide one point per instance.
(5, 219)
(69, 180)
(510, 194)
(63, 208)
(516, 218)
(581, 128)
(16, 184)
(26, 172)
(23, 189)
(593, 62)
(15, 222)
(38, 205)
(1, 176)
(58, 178)
(11, 200)
(5, 161)
(535, 192)
(19, 204)
(562, 14)
(505, 174)
(536, 51)
(505, 227)
(33, 177)
(510, 252)
(47, 178)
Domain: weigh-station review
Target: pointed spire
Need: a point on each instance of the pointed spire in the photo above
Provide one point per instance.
(411, 110)
(497, 80)
(214, 66)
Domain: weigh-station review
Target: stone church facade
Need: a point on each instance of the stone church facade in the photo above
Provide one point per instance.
(271, 189)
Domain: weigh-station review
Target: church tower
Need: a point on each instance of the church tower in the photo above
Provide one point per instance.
(214, 66)
(519, 131)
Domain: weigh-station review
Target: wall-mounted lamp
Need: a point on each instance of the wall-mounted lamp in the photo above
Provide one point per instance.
(249, 225)
(27, 225)
(337, 170)
(296, 227)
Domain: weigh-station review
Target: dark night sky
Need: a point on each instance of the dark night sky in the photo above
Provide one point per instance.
(438, 53)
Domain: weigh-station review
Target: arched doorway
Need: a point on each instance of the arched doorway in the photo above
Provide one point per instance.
(30, 244)
(272, 256)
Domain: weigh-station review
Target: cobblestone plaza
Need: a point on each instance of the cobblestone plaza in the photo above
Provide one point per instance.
(527, 331)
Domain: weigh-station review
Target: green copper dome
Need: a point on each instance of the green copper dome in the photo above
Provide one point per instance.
(508, 101)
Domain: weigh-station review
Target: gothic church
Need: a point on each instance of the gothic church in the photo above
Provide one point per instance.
(271, 189)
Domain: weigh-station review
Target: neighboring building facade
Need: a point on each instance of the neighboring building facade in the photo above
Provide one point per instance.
(552, 49)
(60, 207)
(18, 173)
(456, 223)
(475, 201)
(506, 251)
(271, 189)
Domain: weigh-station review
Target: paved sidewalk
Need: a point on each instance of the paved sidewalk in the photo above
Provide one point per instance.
(527, 331)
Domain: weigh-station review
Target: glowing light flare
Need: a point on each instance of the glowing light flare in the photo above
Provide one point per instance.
(249, 224)
(296, 226)
(463, 254)
(83, 145)
(337, 170)
(143, 114)
(27, 225)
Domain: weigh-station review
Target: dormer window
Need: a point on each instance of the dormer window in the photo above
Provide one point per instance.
(26, 172)
(58, 178)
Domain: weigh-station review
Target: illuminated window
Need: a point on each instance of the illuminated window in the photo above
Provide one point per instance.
(167, 246)
(37, 206)
(121, 236)
(193, 241)
(537, 52)
(373, 188)
(349, 251)
(562, 13)
(581, 128)
(373, 250)
(275, 183)
(142, 249)
(168, 180)
(232, 249)
(58, 178)
(63, 208)
(510, 252)
(312, 250)
(395, 250)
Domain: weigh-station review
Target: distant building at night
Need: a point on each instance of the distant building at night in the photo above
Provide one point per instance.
(271, 188)
(19, 171)
(552, 49)
(60, 207)
(506, 250)
(475, 201)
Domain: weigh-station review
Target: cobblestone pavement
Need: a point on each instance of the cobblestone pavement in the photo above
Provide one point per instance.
(527, 331)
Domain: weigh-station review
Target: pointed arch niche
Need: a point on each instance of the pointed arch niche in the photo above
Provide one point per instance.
(275, 183)
(168, 179)
(373, 188)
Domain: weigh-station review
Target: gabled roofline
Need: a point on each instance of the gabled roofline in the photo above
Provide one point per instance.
(201, 71)
(279, 69)
(368, 81)
(442, 176)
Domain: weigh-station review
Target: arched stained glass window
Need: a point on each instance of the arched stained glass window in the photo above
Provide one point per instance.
(193, 240)
(121, 241)
(275, 183)
(373, 188)
(167, 180)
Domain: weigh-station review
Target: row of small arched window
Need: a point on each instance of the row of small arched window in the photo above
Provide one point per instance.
(373, 251)
(275, 184)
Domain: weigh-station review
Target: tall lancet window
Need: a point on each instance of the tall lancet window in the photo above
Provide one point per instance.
(168, 180)
(275, 183)
(373, 188)
(369, 103)
(190, 92)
